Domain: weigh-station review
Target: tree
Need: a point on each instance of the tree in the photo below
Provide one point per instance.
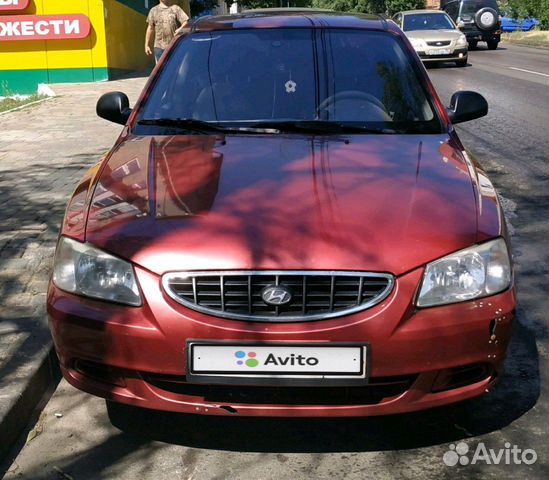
(394, 6)
(523, 8)
(389, 7)
(359, 6)
(249, 4)
(198, 6)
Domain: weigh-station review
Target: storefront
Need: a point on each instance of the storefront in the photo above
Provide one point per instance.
(59, 41)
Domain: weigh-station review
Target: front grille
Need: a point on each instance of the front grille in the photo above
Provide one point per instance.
(315, 295)
(377, 390)
(439, 43)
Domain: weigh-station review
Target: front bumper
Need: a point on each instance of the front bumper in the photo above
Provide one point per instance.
(417, 358)
(456, 54)
(481, 35)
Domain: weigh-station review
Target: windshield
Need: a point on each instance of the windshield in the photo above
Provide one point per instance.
(470, 7)
(275, 77)
(427, 21)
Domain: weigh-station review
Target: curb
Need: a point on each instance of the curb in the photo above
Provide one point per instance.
(23, 382)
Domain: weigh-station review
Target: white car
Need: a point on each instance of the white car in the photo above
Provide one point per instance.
(434, 36)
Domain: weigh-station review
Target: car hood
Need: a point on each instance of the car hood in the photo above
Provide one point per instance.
(434, 35)
(387, 203)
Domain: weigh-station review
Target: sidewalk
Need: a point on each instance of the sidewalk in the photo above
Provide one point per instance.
(44, 150)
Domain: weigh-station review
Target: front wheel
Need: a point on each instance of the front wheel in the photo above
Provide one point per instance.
(492, 44)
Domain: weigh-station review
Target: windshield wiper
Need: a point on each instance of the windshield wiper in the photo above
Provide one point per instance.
(321, 126)
(200, 126)
(270, 127)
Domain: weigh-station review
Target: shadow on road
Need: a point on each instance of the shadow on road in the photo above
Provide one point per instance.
(123, 75)
(444, 65)
(484, 48)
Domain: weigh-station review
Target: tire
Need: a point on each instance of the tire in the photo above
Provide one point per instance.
(473, 44)
(492, 44)
(461, 63)
(486, 18)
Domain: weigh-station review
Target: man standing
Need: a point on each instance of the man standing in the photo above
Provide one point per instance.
(165, 20)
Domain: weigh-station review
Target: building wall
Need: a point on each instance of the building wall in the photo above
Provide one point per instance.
(116, 43)
(24, 64)
(125, 26)
(434, 4)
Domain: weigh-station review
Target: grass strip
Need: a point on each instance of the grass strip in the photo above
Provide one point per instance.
(9, 103)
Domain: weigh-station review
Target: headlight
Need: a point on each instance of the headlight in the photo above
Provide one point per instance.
(417, 43)
(462, 41)
(471, 273)
(85, 270)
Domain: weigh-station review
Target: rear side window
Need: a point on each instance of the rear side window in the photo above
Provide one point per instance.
(470, 7)
(452, 9)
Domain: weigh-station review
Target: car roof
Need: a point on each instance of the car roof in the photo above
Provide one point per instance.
(411, 12)
(287, 9)
(291, 18)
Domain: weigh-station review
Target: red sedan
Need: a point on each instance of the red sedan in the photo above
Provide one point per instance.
(288, 225)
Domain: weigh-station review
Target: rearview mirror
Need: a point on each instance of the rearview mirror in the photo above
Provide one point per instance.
(114, 107)
(466, 105)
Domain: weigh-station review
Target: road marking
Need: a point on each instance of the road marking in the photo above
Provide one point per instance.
(529, 71)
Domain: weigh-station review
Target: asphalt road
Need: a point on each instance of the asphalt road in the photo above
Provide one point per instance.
(512, 144)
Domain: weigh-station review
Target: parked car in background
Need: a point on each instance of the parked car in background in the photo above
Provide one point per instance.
(434, 36)
(282, 230)
(479, 20)
(509, 24)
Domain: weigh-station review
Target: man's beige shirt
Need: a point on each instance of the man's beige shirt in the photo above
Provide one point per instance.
(165, 20)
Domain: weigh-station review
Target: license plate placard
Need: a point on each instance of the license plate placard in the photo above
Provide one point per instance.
(341, 361)
(439, 52)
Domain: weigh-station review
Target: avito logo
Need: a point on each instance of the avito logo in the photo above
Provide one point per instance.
(288, 360)
(291, 360)
(251, 361)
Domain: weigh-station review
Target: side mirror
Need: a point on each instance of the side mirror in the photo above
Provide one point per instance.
(466, 105)
(114, 107)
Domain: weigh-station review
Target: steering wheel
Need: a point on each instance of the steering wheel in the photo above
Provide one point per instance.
(375, 106)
